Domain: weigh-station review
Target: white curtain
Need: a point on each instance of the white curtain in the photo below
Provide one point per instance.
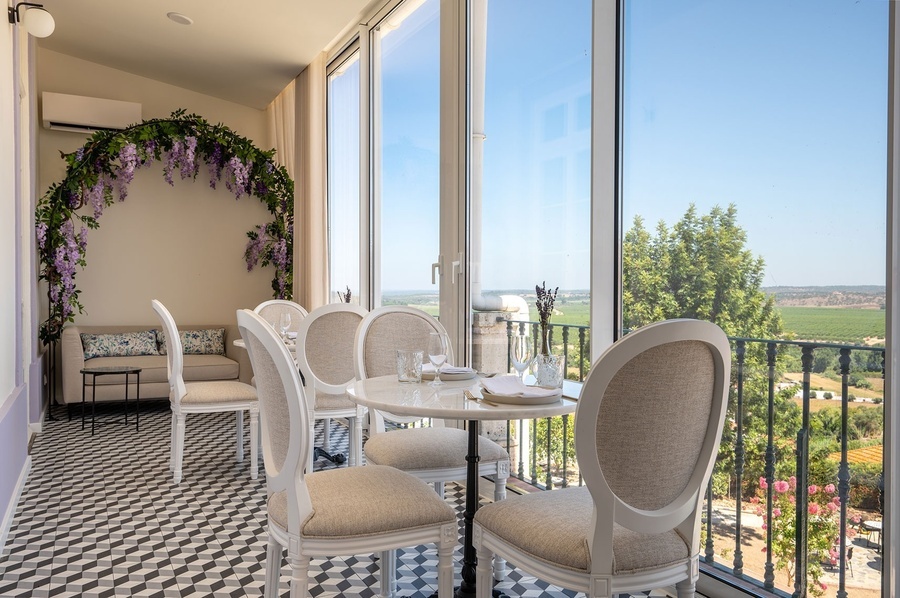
(311, 213)
(280, 116)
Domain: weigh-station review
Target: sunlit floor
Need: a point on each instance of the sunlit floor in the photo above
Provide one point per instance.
(100, 517)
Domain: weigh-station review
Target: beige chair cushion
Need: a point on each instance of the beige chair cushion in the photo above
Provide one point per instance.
(428, 448)
(218, 391)
(153, 368)
(364, 501)
(327, 401)
(553, 527)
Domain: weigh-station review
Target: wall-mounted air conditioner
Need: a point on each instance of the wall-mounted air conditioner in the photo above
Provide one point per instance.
(80, 114)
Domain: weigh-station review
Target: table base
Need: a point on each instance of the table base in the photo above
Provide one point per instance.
(319, 452)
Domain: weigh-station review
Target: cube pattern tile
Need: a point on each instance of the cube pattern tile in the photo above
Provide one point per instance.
(99, 516)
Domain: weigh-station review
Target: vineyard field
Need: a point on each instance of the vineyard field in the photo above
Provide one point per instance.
(833, 324)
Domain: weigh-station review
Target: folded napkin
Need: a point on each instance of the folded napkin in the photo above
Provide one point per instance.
(427, 368)
(512, 386)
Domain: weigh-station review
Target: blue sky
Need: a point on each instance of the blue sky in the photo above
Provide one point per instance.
(778, 107)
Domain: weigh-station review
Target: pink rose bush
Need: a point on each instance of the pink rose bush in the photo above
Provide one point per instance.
(823, 528)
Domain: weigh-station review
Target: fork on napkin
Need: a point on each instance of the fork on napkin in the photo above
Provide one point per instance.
(512, 386)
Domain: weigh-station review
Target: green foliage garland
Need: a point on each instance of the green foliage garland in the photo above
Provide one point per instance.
(101, 170)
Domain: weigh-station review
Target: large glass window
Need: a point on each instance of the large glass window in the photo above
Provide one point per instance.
(343, 179)
(530, 164)
(406, 159)
(753, 182)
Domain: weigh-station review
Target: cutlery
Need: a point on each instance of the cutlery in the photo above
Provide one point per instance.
(472, 397)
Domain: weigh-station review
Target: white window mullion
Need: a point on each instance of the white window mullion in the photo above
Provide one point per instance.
(370, 167)
(605, 278)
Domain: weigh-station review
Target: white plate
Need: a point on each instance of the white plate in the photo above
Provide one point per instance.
(449, 377)
(520, 400)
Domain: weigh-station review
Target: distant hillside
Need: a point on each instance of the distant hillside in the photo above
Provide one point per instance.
(860, 297)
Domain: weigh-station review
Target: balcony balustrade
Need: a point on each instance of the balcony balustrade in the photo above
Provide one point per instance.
(542, 456)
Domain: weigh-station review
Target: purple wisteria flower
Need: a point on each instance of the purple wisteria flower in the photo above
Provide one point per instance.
(128, 162)
(149, 152)
(95, 196)
(188, 163)
(237, 177)
(41, 230)
(173, 159)
(215, 165)
(65, 257)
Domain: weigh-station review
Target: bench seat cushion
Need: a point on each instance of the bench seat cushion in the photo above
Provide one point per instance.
(153, 368)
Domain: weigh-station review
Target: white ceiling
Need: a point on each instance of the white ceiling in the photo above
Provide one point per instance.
(245, 52)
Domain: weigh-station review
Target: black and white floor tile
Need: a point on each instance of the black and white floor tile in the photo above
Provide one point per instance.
(99, 516)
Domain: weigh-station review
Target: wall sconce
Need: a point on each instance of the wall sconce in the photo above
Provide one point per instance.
(36, 20)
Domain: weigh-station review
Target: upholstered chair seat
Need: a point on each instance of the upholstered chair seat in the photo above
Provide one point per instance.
(554, 527)
(423, 449)
(398, 501)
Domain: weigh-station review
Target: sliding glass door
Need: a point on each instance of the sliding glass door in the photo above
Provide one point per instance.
(344, 240)
(406, 160)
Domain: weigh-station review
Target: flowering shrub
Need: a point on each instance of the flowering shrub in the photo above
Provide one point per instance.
(822, 528)
(103, 168)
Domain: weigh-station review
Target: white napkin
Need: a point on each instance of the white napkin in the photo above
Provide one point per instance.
(512, 386)
(427, 368)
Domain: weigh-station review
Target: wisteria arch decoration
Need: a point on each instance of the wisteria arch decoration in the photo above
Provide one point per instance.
(99, 173)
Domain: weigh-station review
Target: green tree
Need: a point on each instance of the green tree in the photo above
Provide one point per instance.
(700, 268)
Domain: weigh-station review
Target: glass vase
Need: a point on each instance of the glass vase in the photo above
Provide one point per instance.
(549, 370)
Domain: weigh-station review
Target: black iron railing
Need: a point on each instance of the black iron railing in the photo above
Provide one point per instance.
(542, 451)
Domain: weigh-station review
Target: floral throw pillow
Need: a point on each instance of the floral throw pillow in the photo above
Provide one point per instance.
(122, 344)
(197, 342)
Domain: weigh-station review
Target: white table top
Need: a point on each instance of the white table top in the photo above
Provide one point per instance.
(444, 402)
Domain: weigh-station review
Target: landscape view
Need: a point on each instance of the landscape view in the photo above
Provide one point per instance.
(831, 317)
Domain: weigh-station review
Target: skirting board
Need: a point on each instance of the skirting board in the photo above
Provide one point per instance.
(6, 523)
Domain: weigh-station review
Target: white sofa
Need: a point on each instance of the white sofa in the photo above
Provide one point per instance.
(233, 365)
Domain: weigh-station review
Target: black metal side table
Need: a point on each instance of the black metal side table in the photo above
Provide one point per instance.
(110, 371)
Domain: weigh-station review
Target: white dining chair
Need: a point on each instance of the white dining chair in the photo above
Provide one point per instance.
(324, 354)
(647, 430)
(346, 511)
(211, 396)
(436, 454)
(272, 309)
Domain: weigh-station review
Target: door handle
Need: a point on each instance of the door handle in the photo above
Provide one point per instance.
(456, 267)
(435, 267)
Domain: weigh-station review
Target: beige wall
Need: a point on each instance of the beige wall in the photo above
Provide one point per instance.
(182, 245)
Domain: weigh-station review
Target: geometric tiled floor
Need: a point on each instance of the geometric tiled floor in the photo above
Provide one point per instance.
(99, 516)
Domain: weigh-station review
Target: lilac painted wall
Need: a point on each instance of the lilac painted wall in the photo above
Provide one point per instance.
(13, 449)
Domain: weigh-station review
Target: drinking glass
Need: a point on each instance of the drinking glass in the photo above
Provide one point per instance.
(284, 322)
(438, 348)
(409, 366)
(521, 354)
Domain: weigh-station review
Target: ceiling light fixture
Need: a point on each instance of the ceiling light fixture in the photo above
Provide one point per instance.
(36, 20)
(177, 17)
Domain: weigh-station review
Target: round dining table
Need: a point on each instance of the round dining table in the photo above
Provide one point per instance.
(450, 401)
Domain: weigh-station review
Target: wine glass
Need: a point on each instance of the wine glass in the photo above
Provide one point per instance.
(438, 348)
(521, 354)
(284, 322)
